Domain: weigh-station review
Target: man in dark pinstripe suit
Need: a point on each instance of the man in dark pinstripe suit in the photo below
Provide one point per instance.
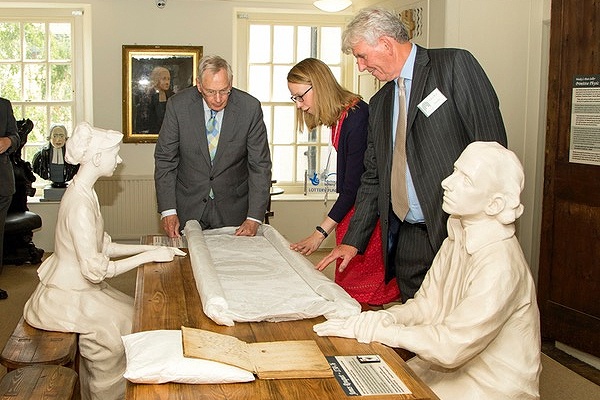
(9, 142)
(450, 103)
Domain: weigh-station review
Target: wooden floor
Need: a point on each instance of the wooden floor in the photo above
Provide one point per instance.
(572, 363)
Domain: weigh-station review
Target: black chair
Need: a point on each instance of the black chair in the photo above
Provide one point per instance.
(274, 192)
(20, 222)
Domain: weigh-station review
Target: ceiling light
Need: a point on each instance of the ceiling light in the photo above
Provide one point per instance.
(332, 5)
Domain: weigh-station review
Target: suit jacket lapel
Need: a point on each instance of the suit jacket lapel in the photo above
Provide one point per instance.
(388, 143)
(420, 74)
(198, 121)
(228, 127)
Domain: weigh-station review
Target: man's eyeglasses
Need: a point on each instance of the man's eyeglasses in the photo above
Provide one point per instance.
(300, 97)
(213, 93)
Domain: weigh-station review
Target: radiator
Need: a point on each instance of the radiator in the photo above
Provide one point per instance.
(128, 205)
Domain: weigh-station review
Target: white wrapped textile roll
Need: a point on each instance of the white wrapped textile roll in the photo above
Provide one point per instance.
(207, 281)
(259, 278)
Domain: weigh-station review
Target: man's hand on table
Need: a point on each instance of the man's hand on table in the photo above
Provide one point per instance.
(343, 251)
(170, 225)
(248, 228)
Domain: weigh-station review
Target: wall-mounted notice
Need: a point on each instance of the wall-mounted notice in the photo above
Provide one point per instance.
(585, 120)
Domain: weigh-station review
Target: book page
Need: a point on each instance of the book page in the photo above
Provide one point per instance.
(268, 360)
(289, 359)
(213, 346)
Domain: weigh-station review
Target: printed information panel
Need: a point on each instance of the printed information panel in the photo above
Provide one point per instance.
(365, 375)
(585, 120)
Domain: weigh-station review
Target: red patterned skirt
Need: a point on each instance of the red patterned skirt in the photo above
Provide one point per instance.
(364, 277)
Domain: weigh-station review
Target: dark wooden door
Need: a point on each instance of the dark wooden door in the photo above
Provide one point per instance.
(569, 277)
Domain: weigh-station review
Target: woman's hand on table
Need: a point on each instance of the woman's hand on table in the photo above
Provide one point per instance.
(308, 245)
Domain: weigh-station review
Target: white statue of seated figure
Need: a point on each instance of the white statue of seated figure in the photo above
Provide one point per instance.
(72, 295)
(474, 323)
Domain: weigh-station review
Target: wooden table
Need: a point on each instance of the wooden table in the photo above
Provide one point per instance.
(166, 298)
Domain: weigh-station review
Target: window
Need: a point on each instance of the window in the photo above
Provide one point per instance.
(40, 62)
(274, 44)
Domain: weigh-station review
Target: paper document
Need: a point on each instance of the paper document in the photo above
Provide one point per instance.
(268, 360)
(160, 240)
(364, 375)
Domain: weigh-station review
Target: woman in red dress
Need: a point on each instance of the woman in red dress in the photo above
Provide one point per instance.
(321, 100)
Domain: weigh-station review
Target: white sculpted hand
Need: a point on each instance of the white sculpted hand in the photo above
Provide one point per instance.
(165, 254)
(337, 327)
(363, 326)
(369, 323)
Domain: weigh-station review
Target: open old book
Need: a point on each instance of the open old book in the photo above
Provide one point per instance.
(268, 360)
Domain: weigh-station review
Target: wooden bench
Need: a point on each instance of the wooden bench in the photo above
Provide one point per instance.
(40, 382)
(31, 346)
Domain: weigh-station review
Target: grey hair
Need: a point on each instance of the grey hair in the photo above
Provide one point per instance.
(214, 64)
(369, 25)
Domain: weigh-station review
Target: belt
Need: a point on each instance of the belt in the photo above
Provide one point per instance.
(420, 225)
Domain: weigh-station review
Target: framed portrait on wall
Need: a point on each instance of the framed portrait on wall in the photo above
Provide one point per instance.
(152, 74)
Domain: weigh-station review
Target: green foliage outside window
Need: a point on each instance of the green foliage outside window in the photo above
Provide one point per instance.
(36, 66)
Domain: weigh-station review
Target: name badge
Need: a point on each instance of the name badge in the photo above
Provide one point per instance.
(432, 102)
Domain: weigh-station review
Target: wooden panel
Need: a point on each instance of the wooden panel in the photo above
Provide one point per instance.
(569, 278)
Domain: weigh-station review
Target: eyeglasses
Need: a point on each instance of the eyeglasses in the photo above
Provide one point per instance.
(300, 98)
(213, 93)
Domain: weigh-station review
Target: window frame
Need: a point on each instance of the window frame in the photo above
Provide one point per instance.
(79, 16)
(242, 65)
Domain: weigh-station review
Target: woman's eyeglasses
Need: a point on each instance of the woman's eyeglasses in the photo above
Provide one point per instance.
(300, 97)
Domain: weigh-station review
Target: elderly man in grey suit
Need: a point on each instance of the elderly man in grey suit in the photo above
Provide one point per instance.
(9, 142)
(212, 159)
(447, 103)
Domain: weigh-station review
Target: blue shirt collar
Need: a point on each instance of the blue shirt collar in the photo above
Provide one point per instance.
(409, 65)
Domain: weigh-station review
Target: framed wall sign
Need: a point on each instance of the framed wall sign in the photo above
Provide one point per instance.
(152, 74)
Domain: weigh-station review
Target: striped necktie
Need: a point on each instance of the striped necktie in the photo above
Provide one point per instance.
(212, 134)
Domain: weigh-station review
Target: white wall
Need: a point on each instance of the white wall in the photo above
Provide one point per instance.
(506, 36)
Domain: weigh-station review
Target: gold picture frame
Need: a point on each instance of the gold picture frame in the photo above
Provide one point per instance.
(143, 103)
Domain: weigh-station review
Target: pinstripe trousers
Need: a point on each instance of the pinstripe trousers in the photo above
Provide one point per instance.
(410, 255)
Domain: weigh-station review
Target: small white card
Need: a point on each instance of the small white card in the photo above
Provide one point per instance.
(432, 102)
